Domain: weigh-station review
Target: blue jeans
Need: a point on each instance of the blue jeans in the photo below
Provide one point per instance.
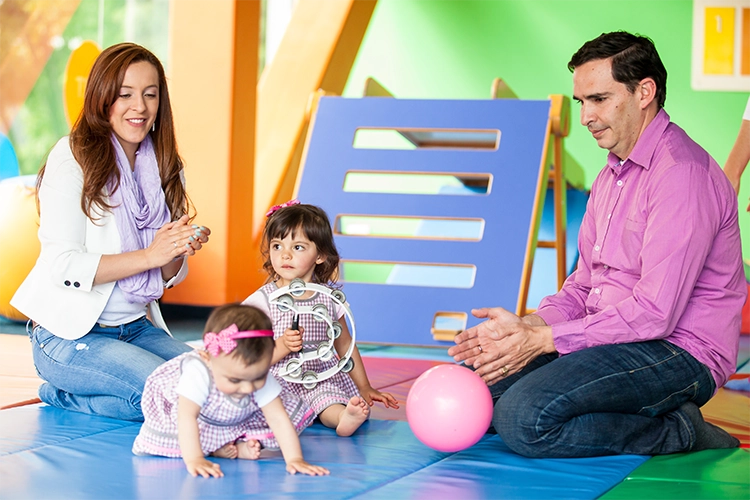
(103, 372)
(605, 400)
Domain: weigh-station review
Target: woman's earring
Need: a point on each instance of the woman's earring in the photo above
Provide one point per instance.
(153, 126)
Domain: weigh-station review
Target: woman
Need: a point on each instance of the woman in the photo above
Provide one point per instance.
(114, 231)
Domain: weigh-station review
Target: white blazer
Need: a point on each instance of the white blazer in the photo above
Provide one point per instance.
(59, 292)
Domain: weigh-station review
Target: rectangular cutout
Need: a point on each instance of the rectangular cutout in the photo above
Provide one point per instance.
(408, 274)
(418, 138)
(422, 228)
(357, 181)
(446, 325)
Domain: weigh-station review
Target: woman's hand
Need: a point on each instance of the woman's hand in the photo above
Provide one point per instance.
(175, 239)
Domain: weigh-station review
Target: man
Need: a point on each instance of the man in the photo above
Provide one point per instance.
(647, 327)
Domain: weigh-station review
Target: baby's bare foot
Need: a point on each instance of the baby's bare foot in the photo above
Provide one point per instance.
(229, 450)
(353, 416)
(248, 450)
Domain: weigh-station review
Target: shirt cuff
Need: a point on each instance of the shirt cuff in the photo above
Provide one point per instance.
(746, 116)
(550, 315)
(569, 337)
(179, 277)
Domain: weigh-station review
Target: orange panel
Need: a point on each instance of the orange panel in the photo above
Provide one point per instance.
(213, 66)
(27, 27)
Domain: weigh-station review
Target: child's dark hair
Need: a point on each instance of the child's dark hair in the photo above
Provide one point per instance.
(315, 226)
(246, 318)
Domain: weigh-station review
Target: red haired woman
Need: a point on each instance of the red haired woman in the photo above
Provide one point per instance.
(115, 231)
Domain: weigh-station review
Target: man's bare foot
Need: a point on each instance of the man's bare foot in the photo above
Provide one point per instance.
(248, 450)
(354, 415)
(229, 450)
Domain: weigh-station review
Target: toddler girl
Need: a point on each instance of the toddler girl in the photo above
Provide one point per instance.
(298, 243)
(222, 401)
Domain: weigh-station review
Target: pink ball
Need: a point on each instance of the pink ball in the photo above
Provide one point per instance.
(449, 408)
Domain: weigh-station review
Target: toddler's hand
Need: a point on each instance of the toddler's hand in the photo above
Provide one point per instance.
(203, 467)
(386, 398)
(293, 339)
(299, 465)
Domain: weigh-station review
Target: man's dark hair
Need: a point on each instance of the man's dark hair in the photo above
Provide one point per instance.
(634, 57)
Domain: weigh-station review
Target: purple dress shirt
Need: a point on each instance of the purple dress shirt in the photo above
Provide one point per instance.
(660, 255)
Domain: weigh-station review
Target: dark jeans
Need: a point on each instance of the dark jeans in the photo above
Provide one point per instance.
(605, 400)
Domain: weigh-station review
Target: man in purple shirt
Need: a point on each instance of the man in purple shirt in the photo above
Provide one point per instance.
(647, 327)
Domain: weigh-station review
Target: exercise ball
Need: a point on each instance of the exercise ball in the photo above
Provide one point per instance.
(449, 408)
(19, 220)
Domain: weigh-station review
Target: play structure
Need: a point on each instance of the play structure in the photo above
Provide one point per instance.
(469, 178)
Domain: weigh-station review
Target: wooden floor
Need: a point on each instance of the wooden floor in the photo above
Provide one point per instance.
(18, 378)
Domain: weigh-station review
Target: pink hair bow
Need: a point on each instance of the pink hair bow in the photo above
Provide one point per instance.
(283, 205)
(225, 340)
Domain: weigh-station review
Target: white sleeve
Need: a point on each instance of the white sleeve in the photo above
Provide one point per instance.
(63, 224)
(746, 116)
(340, 311)
(194, 381)
(268, 392)
(258, 299)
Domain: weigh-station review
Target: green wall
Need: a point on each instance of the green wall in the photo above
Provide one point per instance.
(452, 49)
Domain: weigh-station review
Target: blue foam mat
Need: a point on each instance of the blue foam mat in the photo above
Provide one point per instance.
(49, 453)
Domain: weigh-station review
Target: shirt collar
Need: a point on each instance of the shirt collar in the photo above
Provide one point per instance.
(644, 148)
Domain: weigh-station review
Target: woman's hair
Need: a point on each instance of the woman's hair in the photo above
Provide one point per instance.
(313, 223)
(91, 142)
(246, 318)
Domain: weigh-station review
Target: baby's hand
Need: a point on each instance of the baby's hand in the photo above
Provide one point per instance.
(203, 467)
(299, 465)
(293, 339)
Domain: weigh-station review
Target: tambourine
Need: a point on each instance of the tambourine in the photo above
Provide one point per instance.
(294, 370)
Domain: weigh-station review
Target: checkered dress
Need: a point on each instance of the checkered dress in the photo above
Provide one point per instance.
(222, 420)
(338, 389)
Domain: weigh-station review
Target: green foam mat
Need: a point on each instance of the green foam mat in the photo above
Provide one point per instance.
(708, 475)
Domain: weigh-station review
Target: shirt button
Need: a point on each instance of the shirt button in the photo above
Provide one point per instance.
(606, 266)
(609, 216)
(596, 248)
(67, 283)
(619, 183)
(596, 291)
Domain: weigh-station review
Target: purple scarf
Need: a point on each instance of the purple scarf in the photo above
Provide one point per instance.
(140, 209)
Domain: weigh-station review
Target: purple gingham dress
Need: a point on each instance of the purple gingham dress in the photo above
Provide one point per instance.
(338, 389)
(222, 420)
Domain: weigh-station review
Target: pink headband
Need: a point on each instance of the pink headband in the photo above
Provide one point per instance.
(225, 339)
(283, 205)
